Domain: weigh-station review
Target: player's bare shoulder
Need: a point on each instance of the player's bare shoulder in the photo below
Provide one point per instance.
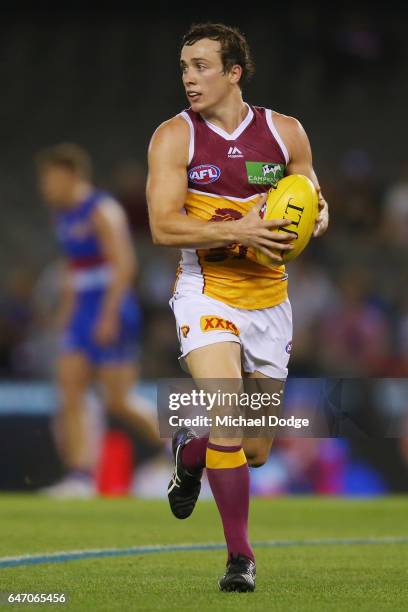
(291, 131)
(171, 138)
(110, 211)
(287, 126)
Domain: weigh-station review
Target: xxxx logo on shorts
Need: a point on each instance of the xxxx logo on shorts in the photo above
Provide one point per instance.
(184, 330)
(211, 323)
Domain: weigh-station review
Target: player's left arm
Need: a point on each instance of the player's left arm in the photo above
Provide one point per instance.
(300, 162)
(113, 233)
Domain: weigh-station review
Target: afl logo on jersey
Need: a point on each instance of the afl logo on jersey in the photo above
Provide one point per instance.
(204, 174)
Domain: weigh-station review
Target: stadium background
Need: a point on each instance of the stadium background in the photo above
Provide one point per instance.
(106, 79)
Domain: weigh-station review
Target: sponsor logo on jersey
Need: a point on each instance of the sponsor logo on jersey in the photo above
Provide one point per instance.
(234, 152)
(211, 323)
(264, 173)
(185, 330)
(204, 174)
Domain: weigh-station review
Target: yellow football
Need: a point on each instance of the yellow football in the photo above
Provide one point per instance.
(294, 198)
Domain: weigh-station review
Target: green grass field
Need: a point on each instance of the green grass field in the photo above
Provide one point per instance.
(300, 577)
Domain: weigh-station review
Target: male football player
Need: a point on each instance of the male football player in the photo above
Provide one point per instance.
(100, 317)
(209, 169)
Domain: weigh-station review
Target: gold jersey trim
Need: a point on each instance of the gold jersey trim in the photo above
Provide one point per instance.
(229, 274)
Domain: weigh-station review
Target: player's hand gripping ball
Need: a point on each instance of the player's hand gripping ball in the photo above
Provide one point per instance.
(294, 198)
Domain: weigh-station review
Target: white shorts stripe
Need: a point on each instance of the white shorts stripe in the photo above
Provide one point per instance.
(191, 276)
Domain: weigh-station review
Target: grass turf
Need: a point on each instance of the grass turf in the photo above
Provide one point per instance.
(323, 577)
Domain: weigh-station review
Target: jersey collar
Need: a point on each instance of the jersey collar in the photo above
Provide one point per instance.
(238, 131)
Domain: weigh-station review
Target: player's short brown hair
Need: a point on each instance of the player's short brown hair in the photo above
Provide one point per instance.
(66, 155)
(234, 46)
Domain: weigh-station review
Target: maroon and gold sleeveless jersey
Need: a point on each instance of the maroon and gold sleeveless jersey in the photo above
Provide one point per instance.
(226, 175)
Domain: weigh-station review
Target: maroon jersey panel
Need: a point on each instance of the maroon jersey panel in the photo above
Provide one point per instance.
(238, 165)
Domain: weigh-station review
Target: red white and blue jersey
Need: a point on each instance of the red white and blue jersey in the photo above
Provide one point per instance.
(91, 275)
(77, 236)
(226, 174)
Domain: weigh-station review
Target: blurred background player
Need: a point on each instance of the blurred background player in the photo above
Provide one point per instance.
(99, 316)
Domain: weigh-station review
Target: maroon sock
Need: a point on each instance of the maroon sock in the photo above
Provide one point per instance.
(228, 475)
(193, 454)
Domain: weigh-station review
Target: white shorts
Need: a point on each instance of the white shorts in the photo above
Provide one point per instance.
(265, 335)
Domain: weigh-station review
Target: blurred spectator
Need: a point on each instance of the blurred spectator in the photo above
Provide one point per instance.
(354, 338)
(16, 318)
(40, 346)
(402, 332)
(161, 347)
(358, 51)
(158, 275)
(129, 186)
(312, 294)
(359, 193)
(396, 208)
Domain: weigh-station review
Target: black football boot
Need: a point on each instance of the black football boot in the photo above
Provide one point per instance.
(239, 576)
(184, 487)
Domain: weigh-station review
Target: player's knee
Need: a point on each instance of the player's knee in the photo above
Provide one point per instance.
(71, 382)
(72, 403)
(257, 465)
(257, 453)
(256, 458)
(257, 461)
(116, 405)
(72, 393)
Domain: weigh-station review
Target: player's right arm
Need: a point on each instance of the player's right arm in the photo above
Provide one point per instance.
(166, 195)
